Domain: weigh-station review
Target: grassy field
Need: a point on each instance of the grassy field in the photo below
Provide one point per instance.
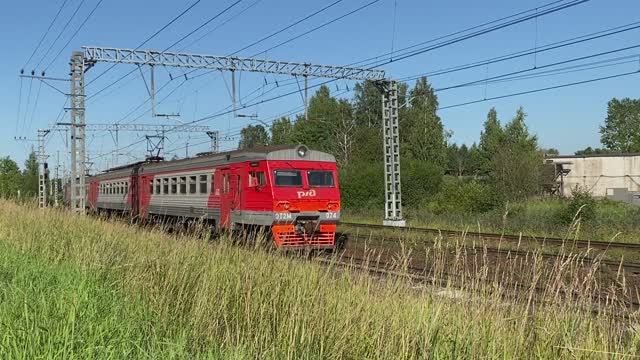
(614, 221)
(74, 287)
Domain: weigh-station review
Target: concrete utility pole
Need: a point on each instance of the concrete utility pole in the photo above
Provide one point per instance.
(78, 155)
(392, 185)
(389, 89)
(42, 169)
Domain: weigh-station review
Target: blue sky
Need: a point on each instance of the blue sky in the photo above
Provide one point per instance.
(567, 119)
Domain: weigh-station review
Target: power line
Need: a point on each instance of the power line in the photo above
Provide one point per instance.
(518, 54)
(534, 68)
(45, 34)
(541, 89)
(173, 20)
(478, 33)
(60, 33)
(287, 27)
(203, 25)
(19, 106)
(318, 27)
(575, 68)
(74, 34)
(223, 23)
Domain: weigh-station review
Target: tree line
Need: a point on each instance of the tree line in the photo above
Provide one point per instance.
(16, 183)
(507, 157)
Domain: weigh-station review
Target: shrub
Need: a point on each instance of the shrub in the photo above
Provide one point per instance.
(420, 182)
(462, 197)
(362, 186)
(582, 206)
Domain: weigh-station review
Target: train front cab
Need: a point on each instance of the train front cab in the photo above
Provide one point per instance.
(306, 203)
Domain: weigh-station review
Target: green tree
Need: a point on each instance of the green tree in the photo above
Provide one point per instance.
(367, 115)
(421, 131)
(30, 176)
(621, 130)
(516, 164)
(253, 135)
(282, 131)
(314, 131)
(10, 178)
(491, 139)
(367, 105)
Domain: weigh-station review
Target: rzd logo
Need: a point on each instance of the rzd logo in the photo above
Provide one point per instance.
(304, 194)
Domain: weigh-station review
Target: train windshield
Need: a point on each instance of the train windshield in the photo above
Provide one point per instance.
(320, 178)
(288, 178)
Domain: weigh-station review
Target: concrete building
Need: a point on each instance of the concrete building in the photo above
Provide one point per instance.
(616, 176)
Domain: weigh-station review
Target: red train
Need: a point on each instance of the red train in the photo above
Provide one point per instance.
(290, 189)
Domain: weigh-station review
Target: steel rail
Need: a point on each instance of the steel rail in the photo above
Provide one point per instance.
(594, 244)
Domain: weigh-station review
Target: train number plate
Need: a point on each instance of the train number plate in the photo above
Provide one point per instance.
(283, 216)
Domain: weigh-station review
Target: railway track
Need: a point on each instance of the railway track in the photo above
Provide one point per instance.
(603, 245)
(418, 275)
(629, 267)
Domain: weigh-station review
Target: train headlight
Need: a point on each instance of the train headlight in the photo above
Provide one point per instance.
(302, 151)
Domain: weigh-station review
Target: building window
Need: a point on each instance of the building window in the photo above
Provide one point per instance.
(204, 184)
(165, 186)
(174, 185)
(192, 184)
(183, 184)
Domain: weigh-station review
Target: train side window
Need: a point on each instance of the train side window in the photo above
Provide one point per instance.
(174, 185)
(183, 184)
(204, 184)
(157, 181)
(118, 188)
(192, 184)
(165, 186)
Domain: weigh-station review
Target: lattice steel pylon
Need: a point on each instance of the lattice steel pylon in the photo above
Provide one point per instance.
(42, 169)
(78, 154)
(391, 145)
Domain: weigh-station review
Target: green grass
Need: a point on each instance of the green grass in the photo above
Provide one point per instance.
(75, 287)
(614, 221)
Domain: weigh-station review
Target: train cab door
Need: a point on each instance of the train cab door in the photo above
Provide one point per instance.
(133, 197)
(229, 199)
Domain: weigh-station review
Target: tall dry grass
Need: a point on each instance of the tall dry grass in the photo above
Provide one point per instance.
(77, 287)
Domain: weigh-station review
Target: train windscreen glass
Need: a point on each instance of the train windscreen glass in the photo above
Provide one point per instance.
(320, 178)
(288, 178)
